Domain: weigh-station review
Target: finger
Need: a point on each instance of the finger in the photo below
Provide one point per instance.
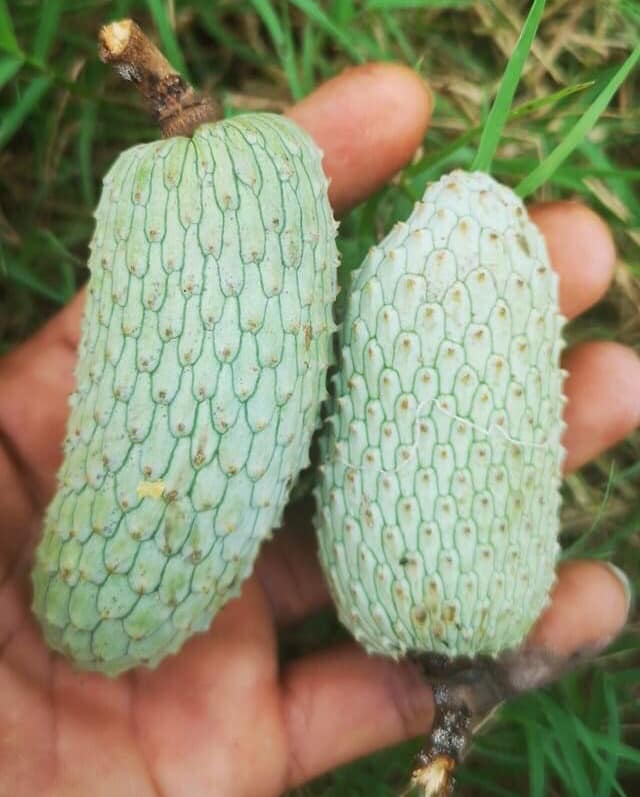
(37, 379)
(369, 121)
(581, 250)
(288, 568)
(603, 390)
(590, 604)
(341, 704)
(218, 700)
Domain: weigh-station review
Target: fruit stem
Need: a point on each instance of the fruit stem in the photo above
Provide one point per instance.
(175, 105)
(447, 744)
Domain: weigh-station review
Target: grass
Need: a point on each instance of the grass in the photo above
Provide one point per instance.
(494, 126)
(64, 117)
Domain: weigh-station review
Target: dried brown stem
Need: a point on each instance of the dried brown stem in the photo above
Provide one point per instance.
(175, 105)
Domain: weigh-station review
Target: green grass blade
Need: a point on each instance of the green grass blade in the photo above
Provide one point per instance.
(535, 750)
(623, 751)
(613, 733)
(582, 127)
(270, 19)
(65, 262)
(315, 13)
(582, 542)
(561, 722)
(524, 109)
(47, 29)
(219, 33)
(168, 40)
(395, 29)
(343, 11)
(507, 89)
(16, 273)
(9, 67)
(589, 744)
(282, 41)
(85, 144)
(399, 5)
(288, 55)
(441, 154)
(309, 56)
(15, 116)
(633, 470)
(8, 41)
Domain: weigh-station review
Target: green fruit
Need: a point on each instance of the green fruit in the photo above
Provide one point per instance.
(202, 364)
(439, 494)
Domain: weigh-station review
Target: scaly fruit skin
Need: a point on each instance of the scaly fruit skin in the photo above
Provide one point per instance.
(202, 364)
(439, 493)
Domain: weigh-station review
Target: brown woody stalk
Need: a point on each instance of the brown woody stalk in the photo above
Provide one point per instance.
(175, 105)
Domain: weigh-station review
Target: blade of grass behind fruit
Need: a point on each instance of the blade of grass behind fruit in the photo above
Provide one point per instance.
(629, 527)
(88, 117)
(506, 91)
(570, 767)
(535, 749)
(599, 162)
(632, 470)
(309, 57)
(584, 735)
(47, 29)
(613, 733)
(282, 42)
(582, 127)
(8, 41)
(398, 5)
(343, 11)
(217, 30)
(168, 40)
(314, 12)
(9, 67)
(398, 35)
(16, 273)
(526, 108)
(12, 121)
(581, 544)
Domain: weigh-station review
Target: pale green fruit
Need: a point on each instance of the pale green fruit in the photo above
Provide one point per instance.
(439, 492)
(202, 365)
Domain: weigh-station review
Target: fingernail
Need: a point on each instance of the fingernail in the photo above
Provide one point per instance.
(623, 578)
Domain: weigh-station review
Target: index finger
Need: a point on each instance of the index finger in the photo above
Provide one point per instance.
(369, 121)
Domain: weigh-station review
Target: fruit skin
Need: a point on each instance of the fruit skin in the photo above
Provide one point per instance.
(439, 491)
(202, 364)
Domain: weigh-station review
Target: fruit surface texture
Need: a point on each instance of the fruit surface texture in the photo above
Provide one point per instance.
(202, 366)
(439, 492)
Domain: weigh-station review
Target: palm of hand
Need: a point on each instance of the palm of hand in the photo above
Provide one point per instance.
(222, 718)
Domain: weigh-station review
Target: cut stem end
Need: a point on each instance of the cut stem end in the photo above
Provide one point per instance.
(175, 105)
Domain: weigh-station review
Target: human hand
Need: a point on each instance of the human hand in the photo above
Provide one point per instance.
(222, 718)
